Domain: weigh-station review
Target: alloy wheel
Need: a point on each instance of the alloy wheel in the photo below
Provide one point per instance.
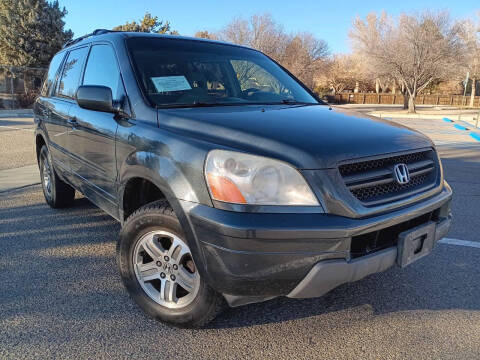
(47, 178)
(165, 269)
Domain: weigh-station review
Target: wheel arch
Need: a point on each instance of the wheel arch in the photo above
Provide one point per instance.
(39, 143)
(149, 169)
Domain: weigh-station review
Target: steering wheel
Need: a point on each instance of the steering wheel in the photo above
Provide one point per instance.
(250, 91)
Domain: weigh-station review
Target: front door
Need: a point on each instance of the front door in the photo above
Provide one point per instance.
(92, 137)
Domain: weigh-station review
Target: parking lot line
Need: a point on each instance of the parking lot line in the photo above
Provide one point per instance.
(15, 128)
(459, 242)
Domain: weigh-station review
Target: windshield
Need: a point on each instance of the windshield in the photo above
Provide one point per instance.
(176, 73)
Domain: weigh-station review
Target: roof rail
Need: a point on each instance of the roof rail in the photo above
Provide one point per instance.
(94, 33)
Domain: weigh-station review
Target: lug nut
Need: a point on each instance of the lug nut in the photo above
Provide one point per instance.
(162, 275)
(172, 277)
(175, 267)
(159, 263)
(166, 258)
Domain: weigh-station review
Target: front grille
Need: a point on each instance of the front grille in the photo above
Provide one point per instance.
(373, 183)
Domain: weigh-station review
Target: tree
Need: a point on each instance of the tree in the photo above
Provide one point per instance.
(415, 49)
(301, 53)
(305, 56)
(148, 24)
(31, 32)
(260, 32)
(340, 73)
(204, 34)
(470, 33)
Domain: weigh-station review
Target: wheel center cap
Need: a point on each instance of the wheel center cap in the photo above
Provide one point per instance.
(167, 268)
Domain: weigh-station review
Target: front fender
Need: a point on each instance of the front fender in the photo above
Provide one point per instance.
(160, 171)
(166, 176)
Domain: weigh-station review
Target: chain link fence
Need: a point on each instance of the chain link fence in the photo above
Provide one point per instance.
(19, 86)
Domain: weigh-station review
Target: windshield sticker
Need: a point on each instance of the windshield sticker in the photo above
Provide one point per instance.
(170, 83)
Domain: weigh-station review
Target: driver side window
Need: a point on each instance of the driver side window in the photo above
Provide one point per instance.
(102, 69)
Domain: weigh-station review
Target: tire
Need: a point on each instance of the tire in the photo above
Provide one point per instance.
(58, 194)
(148, 237)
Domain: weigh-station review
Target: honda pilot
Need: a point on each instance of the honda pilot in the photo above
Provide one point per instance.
(232, 181)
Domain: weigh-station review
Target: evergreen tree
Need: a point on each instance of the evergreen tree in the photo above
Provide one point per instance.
(31, 32)
(149, 24)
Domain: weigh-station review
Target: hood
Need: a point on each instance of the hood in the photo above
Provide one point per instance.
(308, 137)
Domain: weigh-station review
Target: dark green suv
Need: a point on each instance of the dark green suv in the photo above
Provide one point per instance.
(234, 184)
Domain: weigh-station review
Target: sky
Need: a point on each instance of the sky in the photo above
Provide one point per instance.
(328, 20)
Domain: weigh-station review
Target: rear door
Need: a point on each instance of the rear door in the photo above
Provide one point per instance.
(53, 115)
(60, 104)
(93, 139)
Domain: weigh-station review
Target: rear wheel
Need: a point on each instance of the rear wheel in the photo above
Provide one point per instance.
(158, 269)
(57, 193)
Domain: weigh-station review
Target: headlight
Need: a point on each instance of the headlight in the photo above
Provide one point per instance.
(248, 179)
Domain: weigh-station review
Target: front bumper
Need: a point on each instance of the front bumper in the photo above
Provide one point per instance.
(327, 275)
(251, 257)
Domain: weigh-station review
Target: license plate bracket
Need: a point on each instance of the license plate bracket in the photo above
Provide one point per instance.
(415, 243)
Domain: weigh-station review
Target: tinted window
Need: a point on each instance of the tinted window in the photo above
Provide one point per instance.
(51, 75)
(71, 73)
(188, 73)
(254, 78)
(102, 69)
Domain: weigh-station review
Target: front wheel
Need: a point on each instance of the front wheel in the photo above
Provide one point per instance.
(159, 272)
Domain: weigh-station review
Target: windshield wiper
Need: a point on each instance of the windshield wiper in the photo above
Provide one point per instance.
(213, 104)
(190, 105)
(295, 102)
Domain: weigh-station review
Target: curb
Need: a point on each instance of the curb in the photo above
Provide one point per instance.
(387, 115)
(16, 113)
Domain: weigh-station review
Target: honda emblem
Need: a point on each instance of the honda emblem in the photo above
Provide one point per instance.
(402, 175)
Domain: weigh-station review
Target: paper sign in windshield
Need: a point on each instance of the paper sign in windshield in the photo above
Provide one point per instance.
(171, 83)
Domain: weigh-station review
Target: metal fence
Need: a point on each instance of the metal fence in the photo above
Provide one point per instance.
(19, 85)
(373, 98)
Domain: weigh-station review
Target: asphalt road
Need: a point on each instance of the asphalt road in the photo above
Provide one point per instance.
(61, 296)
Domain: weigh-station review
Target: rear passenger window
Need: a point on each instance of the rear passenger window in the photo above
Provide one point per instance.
(72, 70)
(51, 75)
(102, 69)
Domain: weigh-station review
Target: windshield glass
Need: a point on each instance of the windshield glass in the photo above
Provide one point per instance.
(175, 73)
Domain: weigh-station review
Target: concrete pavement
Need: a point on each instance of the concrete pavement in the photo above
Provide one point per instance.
(17, 145)
(18, 163)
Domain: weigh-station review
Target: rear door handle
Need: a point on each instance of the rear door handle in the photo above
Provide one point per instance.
(73, 122)
(46, 112)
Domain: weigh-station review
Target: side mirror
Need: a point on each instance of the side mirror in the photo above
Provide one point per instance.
(97, 98)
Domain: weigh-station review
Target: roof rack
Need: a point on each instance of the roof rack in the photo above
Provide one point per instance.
(94, 33)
